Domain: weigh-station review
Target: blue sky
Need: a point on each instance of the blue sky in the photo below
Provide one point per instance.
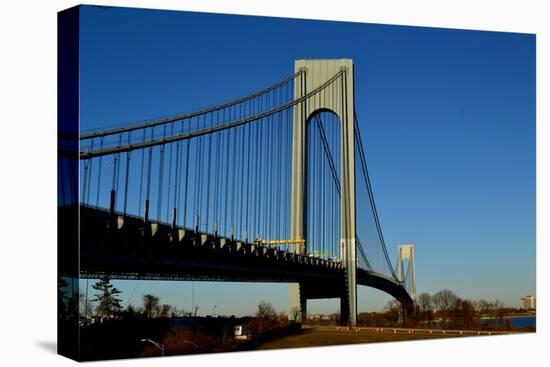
(447, 117)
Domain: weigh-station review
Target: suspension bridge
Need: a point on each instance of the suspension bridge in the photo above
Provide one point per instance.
(270, 187)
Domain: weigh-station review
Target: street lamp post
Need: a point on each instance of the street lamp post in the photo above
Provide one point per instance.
(156, 344)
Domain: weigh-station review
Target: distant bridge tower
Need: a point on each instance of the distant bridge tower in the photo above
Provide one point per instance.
(338, 99)
(406, 252)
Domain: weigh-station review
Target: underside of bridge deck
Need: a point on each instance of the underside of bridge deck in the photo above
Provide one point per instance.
(125, 247)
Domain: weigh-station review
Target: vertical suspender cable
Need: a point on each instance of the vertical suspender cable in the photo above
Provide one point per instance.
(242, 179)
(371, 196)
(271, 170)
(279, 160)
(141, 175)
(260, 174)
(85, 181)
(265, 176)
(288, 158)
(112, 204)
(176, 185)
(208, 160)
(126, 179)
(237, 179)
(198, 186)
(312, 196)
(73, 189)
(248, 162)
(119, 163)
(161, 178)
(322, 203)
(148, 185)
(186, 175)
(255, 174)
(233, 187)
(169, 176)
(227, 161)
(217, 178)
(99, 173)
(88, 184)
(323, 184)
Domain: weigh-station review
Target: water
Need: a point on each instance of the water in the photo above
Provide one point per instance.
(518, 322)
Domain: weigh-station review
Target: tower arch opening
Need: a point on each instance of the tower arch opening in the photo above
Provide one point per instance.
(323, 189)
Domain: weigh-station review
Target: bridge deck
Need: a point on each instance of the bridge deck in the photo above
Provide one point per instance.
(125, 247)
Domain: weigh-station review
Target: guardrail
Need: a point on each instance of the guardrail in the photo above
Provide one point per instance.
(392, 330)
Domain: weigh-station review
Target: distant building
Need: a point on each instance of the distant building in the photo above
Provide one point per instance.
(239, 331)
(528, 303)
(319, 317)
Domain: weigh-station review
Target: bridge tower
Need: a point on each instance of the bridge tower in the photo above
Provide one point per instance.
(406, 252)
(339, 99)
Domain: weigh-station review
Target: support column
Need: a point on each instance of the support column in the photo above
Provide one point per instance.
(297, 302)
(344, 311)
(339, 99)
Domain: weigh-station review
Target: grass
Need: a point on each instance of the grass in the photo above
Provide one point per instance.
(317, 337)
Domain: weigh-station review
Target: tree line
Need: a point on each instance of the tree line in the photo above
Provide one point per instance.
(443, 309)
(107, 304)
(447, 310)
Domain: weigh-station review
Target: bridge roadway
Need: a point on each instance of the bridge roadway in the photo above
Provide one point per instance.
(126, 247)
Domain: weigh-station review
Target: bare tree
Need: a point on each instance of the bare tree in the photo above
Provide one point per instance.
(266, 311)
(483, 306)
(444, 301)
(130, 312)
(178, 312)
(393, 310)
(425, 308)
(467, 315)
(265, 320)
(425, 302)
(150, 305)
(165, 310)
